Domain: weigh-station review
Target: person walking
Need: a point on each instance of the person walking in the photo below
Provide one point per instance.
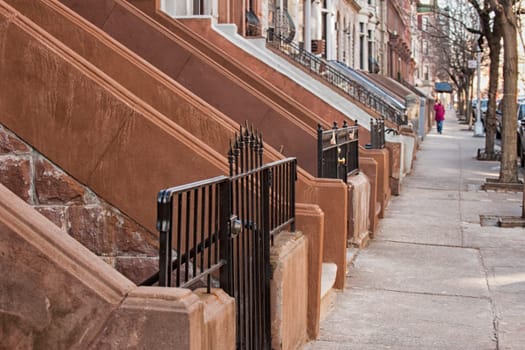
(439, 116)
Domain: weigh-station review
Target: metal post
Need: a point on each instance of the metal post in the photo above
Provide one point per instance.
(164, 208)
(478, 126)
(225, 240)
(293, 179)
(307, 25)
(267, 270)
(319, 150)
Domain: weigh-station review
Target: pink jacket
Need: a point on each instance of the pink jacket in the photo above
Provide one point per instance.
(439, 112)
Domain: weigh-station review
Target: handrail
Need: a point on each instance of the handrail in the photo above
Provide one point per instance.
(338, 151)
(196, 220)
(327, 72)
(377, 133)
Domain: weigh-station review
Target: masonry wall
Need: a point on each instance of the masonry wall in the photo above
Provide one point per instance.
(74, 208)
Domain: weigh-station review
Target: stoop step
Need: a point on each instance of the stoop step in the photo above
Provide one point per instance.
(328, 294)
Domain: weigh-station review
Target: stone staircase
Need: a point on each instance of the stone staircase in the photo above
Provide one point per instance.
(74, 208)
(328, 293)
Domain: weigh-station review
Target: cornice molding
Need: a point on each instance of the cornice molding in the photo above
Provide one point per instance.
(354, 4)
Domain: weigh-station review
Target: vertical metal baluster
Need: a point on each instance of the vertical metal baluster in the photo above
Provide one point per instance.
(259, 246)
(187, 236)
(245, 235)
(288, 190)
(195, 218)
(203, 229)
(293, 180)
(179, 239)
(212, 230)
(266, 255)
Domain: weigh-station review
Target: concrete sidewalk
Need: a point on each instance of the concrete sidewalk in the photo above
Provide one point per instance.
(434, 278)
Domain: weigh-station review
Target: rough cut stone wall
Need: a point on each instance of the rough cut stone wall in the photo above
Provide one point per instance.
(74, 208)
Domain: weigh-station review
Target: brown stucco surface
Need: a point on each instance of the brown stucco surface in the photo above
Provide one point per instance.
(140, 78)
(55, 294)
(206, 72)
(359, 206)
(100, 131)
(369, 167)
(394, 156)
(215, 132)
(107, 177)
(310, 221)
(334, 201)
(74, 208)
(381, 156)
(289, 294)
(325, 112)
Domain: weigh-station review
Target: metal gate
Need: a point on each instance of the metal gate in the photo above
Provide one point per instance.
(220, 231)
(337, 151)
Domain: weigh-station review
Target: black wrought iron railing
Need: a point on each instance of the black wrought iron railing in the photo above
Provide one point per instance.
(336, 78)
(218, 232)
(377, 133)
(190, 220)
(338, 151)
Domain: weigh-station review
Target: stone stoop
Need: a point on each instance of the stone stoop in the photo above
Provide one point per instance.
(328, 293)
(76, 209)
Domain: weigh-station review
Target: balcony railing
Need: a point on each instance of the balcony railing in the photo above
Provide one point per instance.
(338, 151)
(336, 78)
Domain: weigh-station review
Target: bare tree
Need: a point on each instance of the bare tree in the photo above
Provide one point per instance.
(490, 30)
(495, 19)
(509, 25)
(455, 45)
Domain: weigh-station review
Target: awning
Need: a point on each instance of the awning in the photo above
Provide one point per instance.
(443, 87)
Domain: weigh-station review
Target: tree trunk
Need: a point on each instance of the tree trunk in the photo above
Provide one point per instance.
(490, 116)
(461, 102)
(509, 167)
(469, 104)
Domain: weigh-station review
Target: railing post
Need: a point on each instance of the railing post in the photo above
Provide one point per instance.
(372, 133)
(225, 241)
(265, 205)
(293, 179)
(319, 150)
(164, 211)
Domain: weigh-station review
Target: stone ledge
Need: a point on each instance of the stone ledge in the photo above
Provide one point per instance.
(494, 185)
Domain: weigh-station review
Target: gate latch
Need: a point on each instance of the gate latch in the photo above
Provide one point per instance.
(235, 225)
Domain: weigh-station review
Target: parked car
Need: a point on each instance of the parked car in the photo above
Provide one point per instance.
(520, 129)
(484, 103)
(521, 133)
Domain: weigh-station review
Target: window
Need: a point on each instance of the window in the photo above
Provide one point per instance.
(425, 47)
(361, 45)
(425, 72)
(424, 23)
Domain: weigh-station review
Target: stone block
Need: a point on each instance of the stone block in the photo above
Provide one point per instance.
(137, 269)
(311, 222)
(15, 174)
(56, 214)
(155, 318)
(130, 237)
(219, 319)
(53, 186)
(9, 143)
(54, 294)
(87, 224)
(289, 295)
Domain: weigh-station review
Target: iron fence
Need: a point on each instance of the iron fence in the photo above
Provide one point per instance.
(220, 231)
(336, 78)
(338, 151)
(377, 133)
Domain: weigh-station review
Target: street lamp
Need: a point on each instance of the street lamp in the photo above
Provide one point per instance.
(478, 126)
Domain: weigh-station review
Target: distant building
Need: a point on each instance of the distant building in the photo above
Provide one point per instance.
(424, 55)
